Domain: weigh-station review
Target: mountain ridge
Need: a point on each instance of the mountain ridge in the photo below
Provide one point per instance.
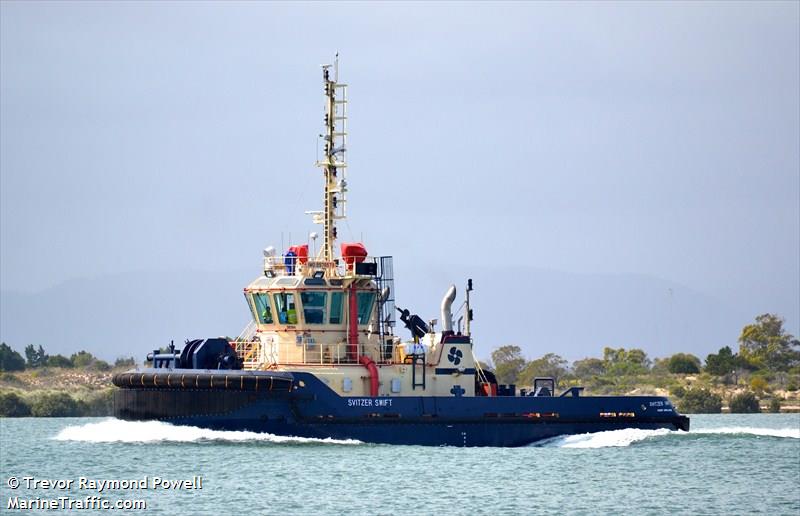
(541, 310)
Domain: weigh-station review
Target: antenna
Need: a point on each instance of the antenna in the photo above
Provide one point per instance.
(468, 317)
(333, 163)
(313, 235)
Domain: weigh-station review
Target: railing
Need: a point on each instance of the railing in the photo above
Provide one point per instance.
(311, 266)
(306, 352)
(277, 266)
(249, 352)
(249, 332)
(313, 353)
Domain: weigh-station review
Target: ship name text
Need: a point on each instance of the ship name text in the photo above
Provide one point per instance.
(369, 402)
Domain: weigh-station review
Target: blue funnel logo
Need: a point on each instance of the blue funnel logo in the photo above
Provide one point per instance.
(455, 355)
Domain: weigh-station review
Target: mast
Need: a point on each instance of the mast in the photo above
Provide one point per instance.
(334, 162)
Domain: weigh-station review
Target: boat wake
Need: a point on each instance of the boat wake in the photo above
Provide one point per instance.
(610, 438)
(118, 431)
(789, 433)
(629, 436)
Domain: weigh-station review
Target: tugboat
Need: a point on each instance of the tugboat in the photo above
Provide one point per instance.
(320, 357)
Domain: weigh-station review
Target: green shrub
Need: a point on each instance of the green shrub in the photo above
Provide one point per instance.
(678, 391)
(602, 381)
(58, 361)
(100, 404)
(662, 381)
(81, 359)
(759, 384)
(12, 379)
(683, 363)
(12, 405)
(125, 362)
(99, 365)
(774, 405)
(57, 404)
(700, 401)
(744, 403)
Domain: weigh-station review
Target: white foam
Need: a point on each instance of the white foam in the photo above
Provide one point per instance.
(792, 433)
(610, 438)
(628, 436)
(117, 431)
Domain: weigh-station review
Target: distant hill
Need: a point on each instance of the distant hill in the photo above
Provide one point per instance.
(126, 314)
(575, 315)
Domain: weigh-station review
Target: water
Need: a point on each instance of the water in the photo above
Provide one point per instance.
(727, 464)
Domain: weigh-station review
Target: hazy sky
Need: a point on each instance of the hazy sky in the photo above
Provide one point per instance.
(656, 138)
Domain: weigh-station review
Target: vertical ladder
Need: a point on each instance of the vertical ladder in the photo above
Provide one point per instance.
(417, 359)
(385, 283)
(334, 163)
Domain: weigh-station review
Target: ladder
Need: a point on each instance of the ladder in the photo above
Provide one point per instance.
(334, 162)
(414, 360)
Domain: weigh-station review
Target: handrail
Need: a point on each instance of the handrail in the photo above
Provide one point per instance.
(248, 351)
(332, 268)
(305, 353)
(248, 332)
(307, 268)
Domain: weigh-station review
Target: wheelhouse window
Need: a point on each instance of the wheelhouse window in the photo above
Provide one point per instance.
(285, 306)
(262, 309)
(365, 302)
(313, 307)
(336, 307)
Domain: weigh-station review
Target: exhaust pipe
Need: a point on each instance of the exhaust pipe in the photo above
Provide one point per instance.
(447, 314)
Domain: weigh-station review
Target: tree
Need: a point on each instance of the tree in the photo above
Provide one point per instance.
(42, 356)
(767, 345)
(10, 360)
(626, 362)
(660, 366)
(744, 403)
(550, 365)
(35, 357)
(131, 362)
(775, 405)
(759, 384)
(727, 364)
(588, 368)
(721, 363)
(31, 357)
(508, 363)
(58, 361)
(700, 401)
(683, 363)
(12, 405)
(81, 359)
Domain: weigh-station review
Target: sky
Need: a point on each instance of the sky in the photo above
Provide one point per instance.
(655, 139)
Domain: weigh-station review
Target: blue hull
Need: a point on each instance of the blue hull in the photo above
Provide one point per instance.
(300, 405)
(423, 434)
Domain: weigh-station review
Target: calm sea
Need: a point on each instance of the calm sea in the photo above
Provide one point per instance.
(727, 464)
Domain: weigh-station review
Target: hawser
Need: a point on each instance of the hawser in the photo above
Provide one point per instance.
(320, 357)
